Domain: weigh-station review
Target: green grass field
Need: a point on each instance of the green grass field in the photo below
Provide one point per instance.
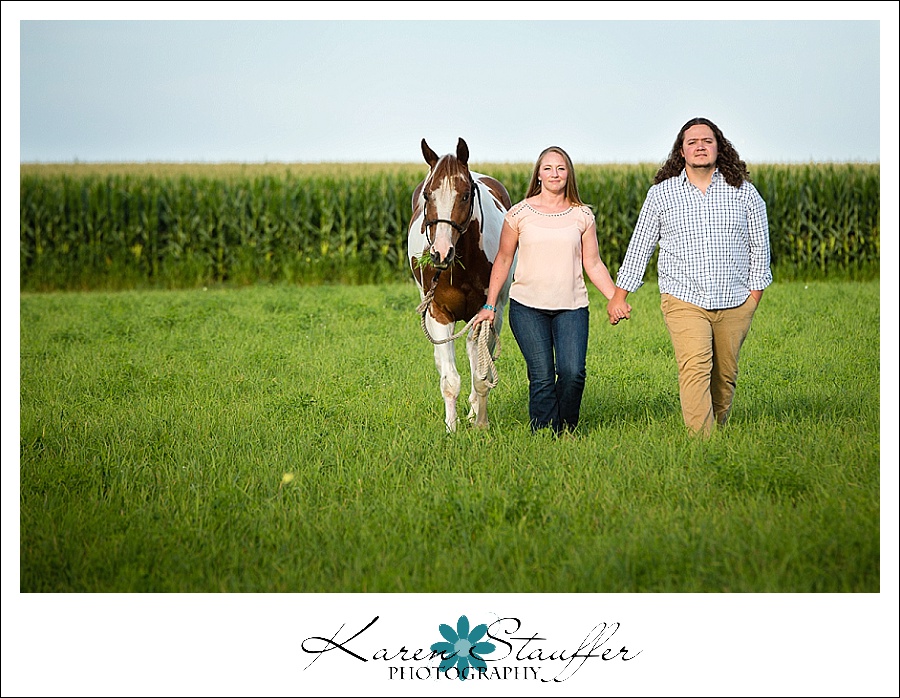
(290, 439)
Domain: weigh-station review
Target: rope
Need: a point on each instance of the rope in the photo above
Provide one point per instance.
(481, 335)
(485, 369)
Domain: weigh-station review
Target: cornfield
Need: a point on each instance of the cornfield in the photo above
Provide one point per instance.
(183, 226)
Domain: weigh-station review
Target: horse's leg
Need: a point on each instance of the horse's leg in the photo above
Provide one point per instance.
(445, 360)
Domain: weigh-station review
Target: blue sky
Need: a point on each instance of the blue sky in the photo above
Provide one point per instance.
(323, 89)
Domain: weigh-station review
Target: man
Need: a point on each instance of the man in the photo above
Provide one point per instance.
(714, 263)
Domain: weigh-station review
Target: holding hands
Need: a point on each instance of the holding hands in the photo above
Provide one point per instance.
(618, 309)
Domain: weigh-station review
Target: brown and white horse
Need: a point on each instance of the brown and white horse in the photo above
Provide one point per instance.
(454, 235)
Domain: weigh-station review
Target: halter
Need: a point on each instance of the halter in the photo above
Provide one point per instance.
(459, 228)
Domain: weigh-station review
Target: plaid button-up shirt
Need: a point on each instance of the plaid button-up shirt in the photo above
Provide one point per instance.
(713, 247)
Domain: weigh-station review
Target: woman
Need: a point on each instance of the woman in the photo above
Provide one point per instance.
(556, 238)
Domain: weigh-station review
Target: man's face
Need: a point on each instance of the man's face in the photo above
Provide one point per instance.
(699, 147)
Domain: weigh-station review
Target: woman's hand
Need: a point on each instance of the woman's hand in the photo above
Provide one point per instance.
(485, 314)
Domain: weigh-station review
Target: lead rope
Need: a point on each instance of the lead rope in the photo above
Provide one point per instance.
(481, 335)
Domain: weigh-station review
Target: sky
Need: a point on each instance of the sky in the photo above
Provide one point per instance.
(366, 82)
(326, 89)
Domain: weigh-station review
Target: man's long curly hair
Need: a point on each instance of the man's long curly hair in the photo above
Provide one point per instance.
(728, 161)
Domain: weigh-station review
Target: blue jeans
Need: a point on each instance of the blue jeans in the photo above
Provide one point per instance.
(554, 345)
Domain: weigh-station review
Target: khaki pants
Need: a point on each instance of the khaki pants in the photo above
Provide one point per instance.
(706, 344)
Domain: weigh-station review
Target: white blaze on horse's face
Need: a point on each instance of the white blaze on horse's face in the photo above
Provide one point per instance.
(449, 207)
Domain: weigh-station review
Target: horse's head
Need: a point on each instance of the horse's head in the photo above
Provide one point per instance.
(449, 199)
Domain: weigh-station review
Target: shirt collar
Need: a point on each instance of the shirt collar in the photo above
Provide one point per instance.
(717, 175)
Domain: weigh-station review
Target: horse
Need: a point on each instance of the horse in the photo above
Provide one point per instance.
(454, 236)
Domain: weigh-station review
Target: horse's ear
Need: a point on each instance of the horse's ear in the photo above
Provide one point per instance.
(430, 156)
(462, 152)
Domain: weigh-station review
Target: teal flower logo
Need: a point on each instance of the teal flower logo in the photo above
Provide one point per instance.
(463, 648)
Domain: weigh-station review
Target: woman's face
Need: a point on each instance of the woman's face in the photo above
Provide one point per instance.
(553, 172)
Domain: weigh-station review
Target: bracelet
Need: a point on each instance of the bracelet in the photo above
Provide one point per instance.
(488, 306)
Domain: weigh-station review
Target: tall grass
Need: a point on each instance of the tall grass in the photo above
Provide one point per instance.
(276, 438)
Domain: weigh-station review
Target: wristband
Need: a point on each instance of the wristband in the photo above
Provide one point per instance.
(488, 306)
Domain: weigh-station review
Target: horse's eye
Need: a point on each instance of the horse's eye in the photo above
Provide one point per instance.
(466, 196)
